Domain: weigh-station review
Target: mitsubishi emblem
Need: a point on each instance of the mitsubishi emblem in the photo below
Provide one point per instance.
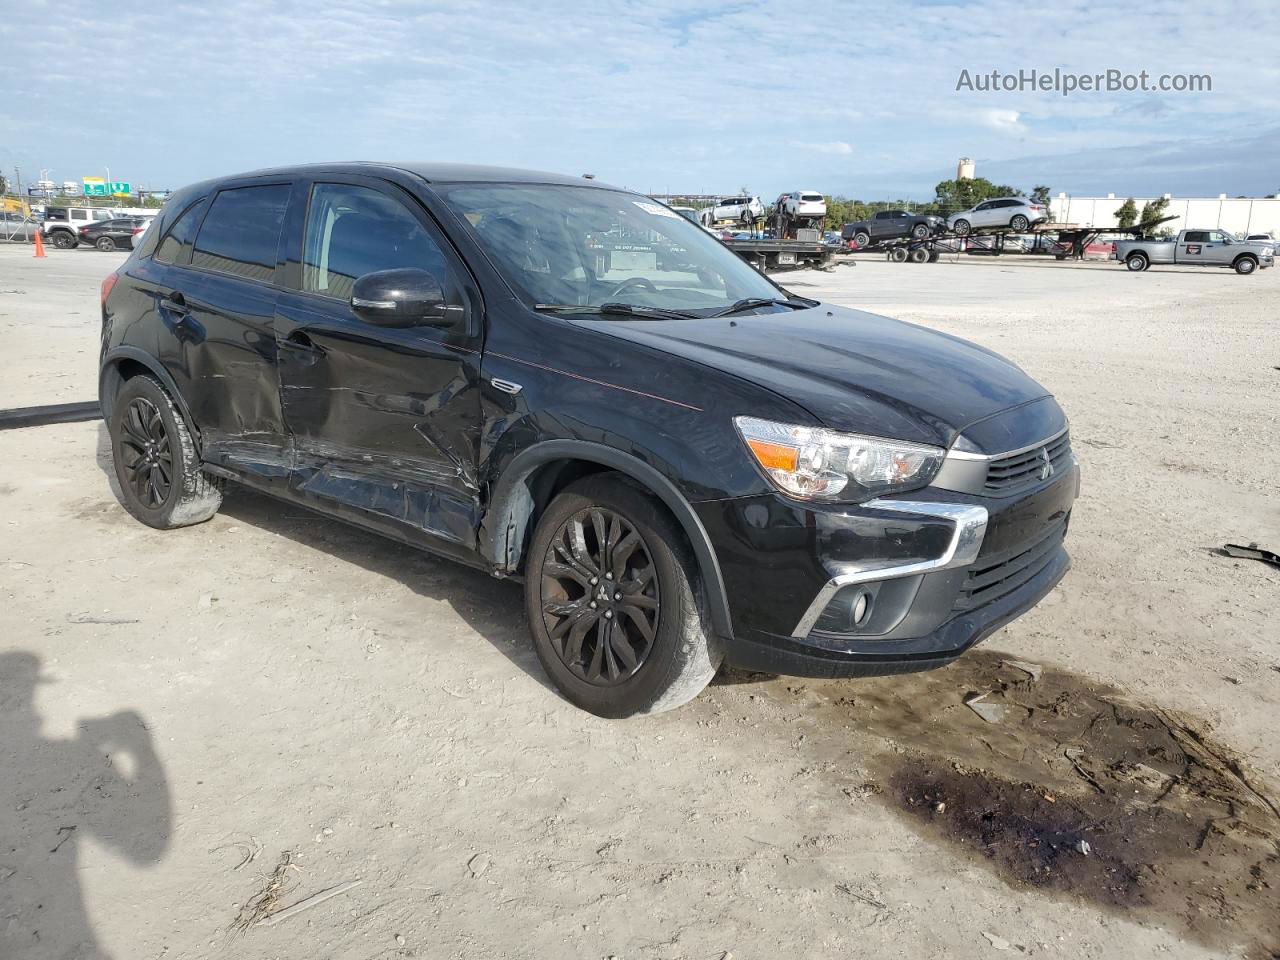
(1047, 470)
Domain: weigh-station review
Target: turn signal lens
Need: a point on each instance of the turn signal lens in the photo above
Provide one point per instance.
(774, 456)
(108, 282)
(823, 464)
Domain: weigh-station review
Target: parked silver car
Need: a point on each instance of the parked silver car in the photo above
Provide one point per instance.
(742, 209)
(1015, 213)
(17, 228)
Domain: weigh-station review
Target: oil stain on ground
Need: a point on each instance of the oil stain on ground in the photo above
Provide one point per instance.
(1077, 790)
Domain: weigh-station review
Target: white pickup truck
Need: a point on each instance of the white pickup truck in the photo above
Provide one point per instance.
(1204, 248)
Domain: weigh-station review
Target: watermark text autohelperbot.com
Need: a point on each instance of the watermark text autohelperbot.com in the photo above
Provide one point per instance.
(1066, 82)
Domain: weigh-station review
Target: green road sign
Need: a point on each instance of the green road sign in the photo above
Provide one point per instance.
(95, 188)
(118, 189)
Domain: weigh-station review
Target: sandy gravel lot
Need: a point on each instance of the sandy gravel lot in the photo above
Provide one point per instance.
(271, 704)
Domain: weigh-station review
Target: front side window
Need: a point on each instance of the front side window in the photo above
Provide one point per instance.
(354, 230)
(589, 246)
(240, 233)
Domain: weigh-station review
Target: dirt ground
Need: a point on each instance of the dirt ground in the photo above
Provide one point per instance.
(198, 728)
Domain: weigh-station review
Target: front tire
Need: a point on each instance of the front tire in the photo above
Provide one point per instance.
(105, 244)
(962, 228)
(920, 231)
(1137, 262)
(156, 464)
(613, 602)
(1245, 266)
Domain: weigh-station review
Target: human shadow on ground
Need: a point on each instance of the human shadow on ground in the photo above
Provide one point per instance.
(106, 782)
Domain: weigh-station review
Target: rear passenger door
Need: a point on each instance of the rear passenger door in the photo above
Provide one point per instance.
(216, 296)
(385, 420)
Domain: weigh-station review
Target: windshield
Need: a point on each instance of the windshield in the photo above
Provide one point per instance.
(585, 246)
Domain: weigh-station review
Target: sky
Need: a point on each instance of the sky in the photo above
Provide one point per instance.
(660, 96)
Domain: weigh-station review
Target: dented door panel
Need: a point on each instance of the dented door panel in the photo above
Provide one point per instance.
(384, 420)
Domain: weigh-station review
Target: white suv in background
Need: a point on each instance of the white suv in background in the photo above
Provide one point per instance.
(803, 203)
(1017, 213)
(742, 209)
(62, 224)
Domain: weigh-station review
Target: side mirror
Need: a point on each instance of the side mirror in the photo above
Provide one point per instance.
(403, 298)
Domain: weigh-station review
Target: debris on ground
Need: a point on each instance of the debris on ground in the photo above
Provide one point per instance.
(1033, 670)
(312, 901)
(999, 943)
(249, 850)
(1082, 847)
(1251, 552)
(990, 712)
(267, 900)
(478, 864)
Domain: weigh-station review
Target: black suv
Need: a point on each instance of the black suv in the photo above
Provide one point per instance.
(549, 378)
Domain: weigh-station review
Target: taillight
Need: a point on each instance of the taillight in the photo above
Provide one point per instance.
(84, 230)
(108, 282)
(138, 230)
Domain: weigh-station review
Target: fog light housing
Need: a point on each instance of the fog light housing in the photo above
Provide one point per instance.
(861, 608)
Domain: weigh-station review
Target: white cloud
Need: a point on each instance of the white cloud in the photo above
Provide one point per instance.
(1002, 120)
(835, 146)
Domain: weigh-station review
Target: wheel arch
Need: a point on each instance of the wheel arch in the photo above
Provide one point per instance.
(124, 363)
(1247, 256)
(534, 476)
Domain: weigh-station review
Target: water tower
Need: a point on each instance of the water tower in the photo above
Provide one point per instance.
(964, 169)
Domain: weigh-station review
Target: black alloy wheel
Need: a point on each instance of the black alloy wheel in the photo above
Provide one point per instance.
(146, 453)
(599, 594)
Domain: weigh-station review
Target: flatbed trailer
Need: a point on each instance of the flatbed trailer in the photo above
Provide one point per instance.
(1071, 241)
(774, 254)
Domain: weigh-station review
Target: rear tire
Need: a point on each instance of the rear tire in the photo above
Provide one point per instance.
(898, 254)
(1019, 224)
(636, 639)
(156, 464)
(1137, 262)
(105, 244)
(962, 228)
(1245, 266)
(918, 255)
(862, 239)
(63, 240)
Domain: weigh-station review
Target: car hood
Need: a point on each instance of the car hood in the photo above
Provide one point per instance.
(853, 371)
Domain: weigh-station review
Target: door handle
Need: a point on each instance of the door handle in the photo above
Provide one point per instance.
(299, 341)
(175, 302)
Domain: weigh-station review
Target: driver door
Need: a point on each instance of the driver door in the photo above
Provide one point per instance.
(385, 420)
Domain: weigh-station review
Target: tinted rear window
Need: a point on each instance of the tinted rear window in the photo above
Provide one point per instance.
(240, 233)
(812, 196)
(176, 245)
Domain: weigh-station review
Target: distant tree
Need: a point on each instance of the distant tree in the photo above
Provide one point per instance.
(951, 196)
(1040, 194)
(1127, 214)
(1153, 210)
(4, 184)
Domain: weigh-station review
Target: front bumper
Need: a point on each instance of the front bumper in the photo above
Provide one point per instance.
(938, 571)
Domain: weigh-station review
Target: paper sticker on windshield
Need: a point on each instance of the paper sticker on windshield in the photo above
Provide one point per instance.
(656, 210)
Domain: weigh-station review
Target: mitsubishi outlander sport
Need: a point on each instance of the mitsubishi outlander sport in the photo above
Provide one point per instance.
(555, 380)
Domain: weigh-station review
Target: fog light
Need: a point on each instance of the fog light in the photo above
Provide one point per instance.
(861, 609)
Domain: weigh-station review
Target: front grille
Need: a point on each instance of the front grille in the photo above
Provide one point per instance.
(991, 578)
(1021, 471)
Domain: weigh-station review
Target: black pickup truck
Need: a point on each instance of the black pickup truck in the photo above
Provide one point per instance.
(892, 225)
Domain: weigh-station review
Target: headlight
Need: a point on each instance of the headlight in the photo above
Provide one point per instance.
(825, 465)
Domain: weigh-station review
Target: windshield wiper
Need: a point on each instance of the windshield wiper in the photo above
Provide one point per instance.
(617, 309)
(751, 303)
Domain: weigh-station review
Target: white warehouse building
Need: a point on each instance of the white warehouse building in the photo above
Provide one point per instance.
(1239, 215)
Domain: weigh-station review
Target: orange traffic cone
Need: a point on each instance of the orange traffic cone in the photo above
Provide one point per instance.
(39, 244)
